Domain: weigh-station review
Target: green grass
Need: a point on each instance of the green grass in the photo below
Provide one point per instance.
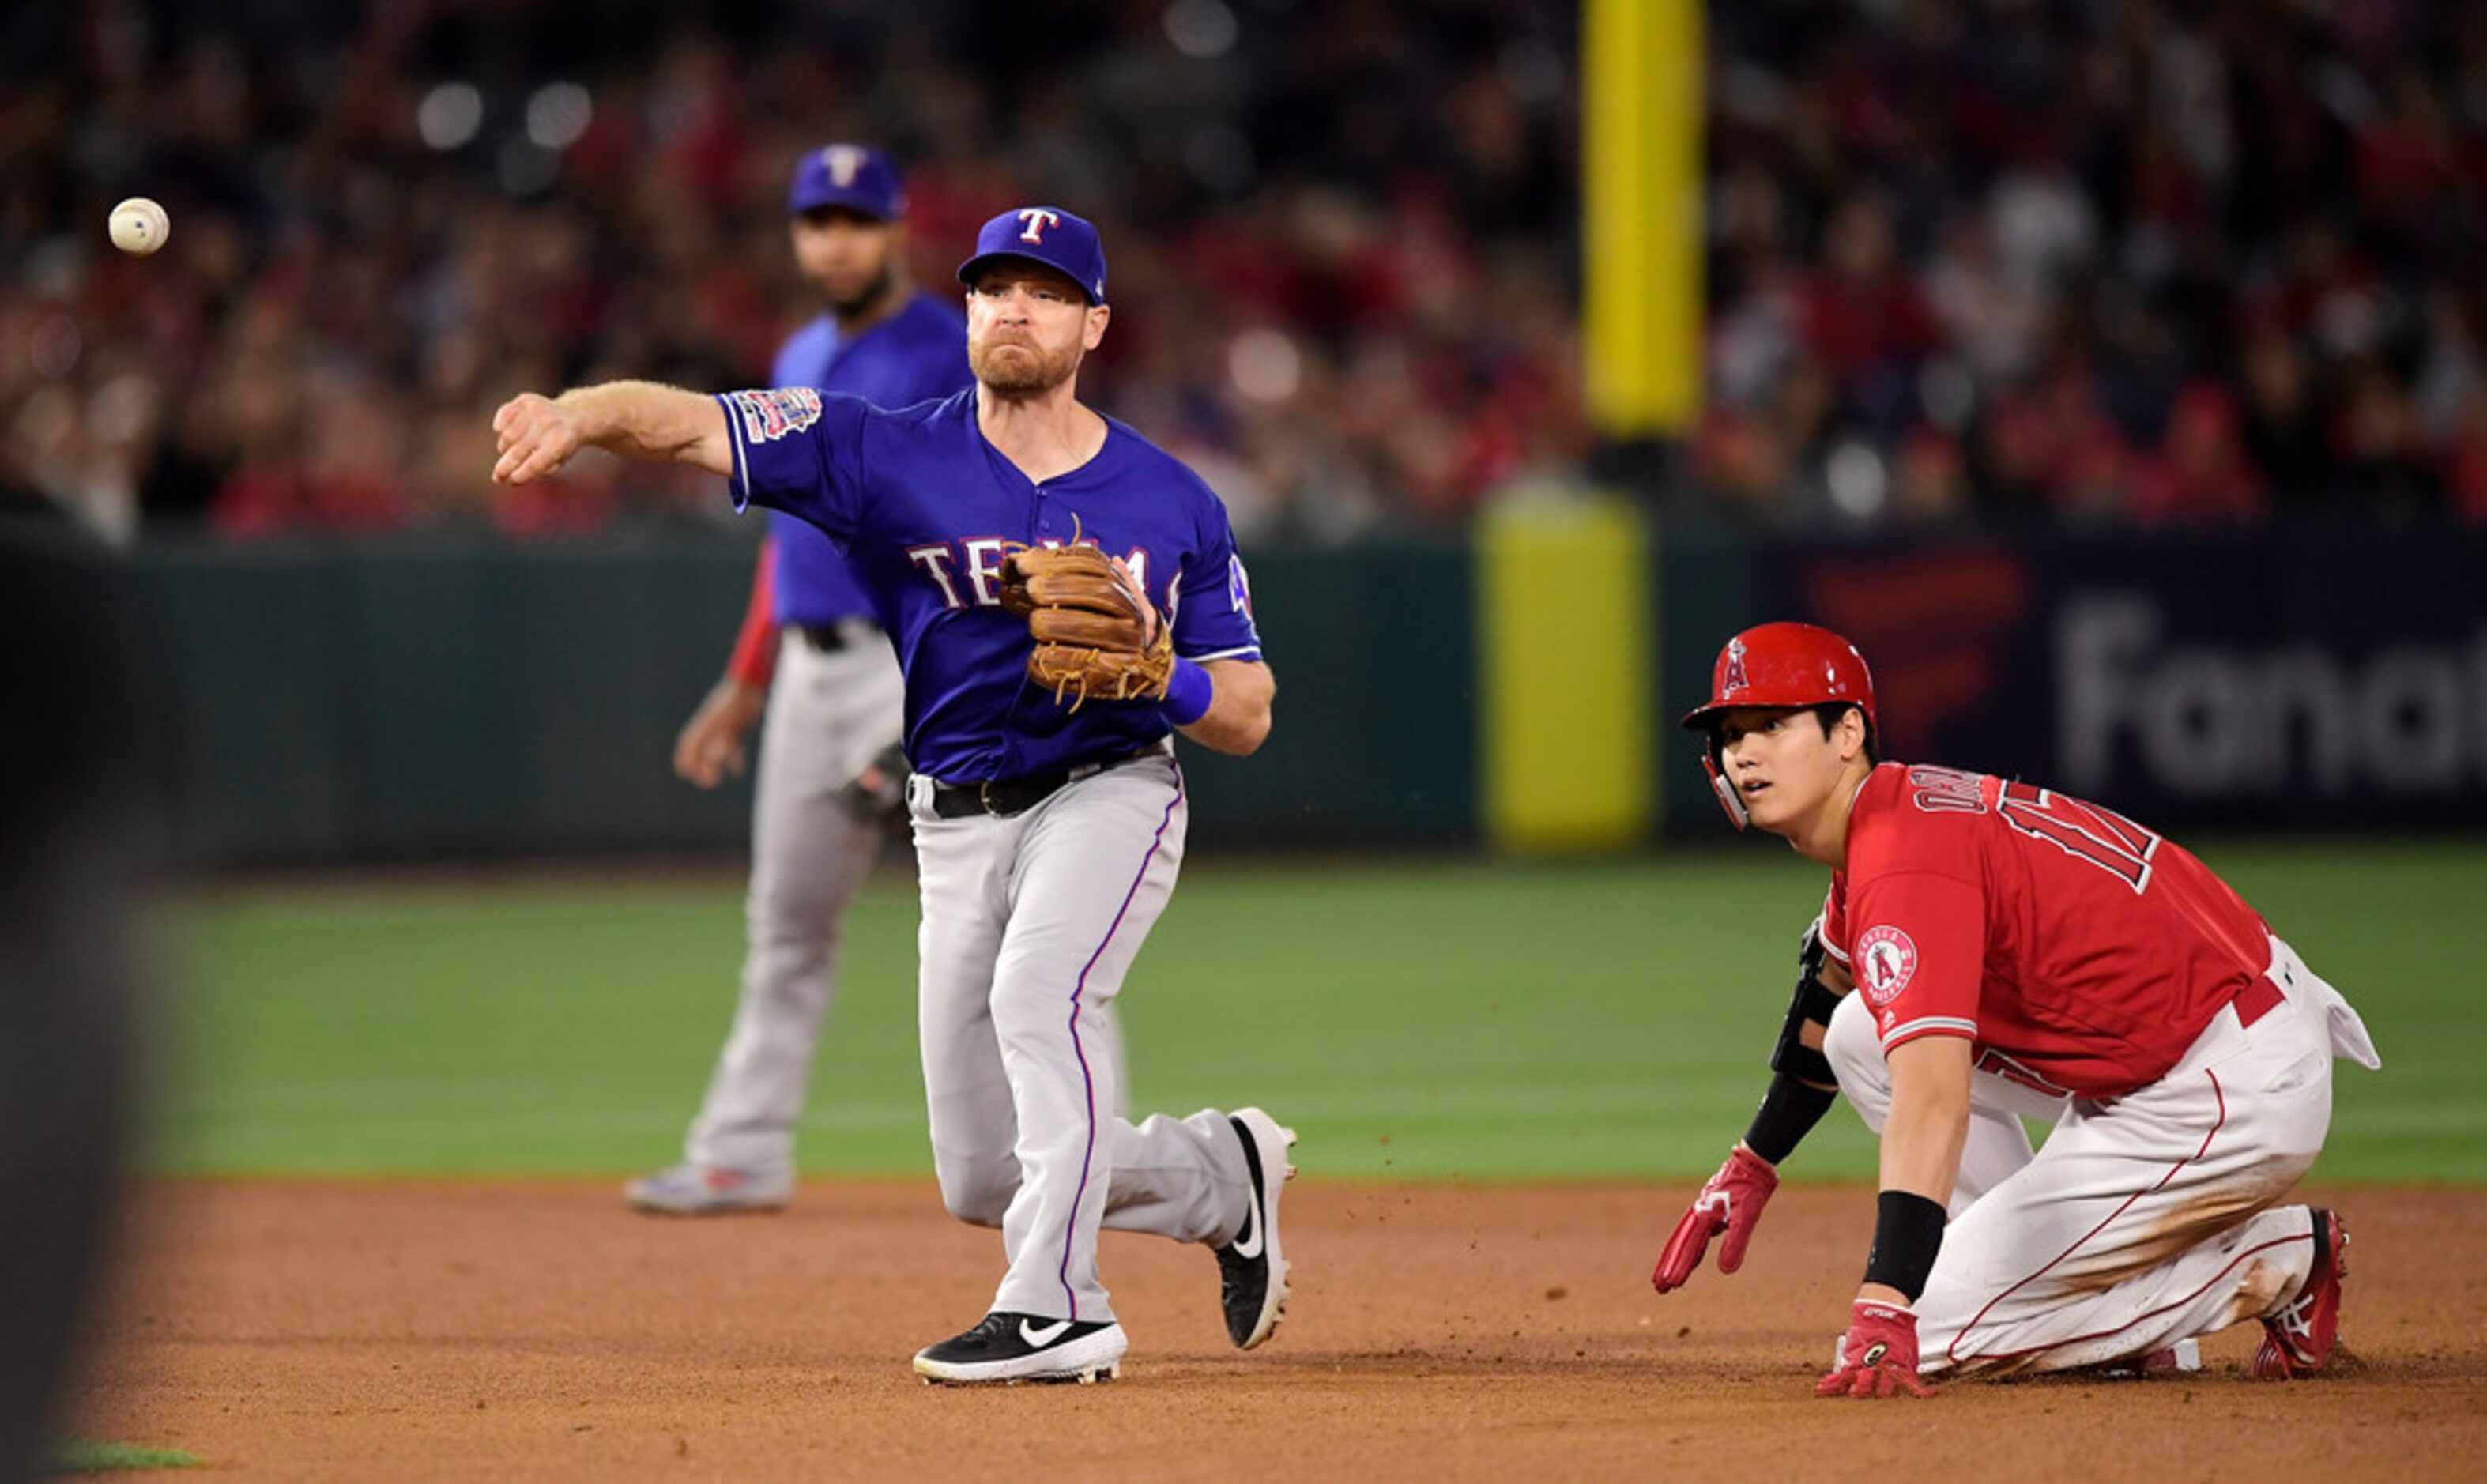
(111, 1457)
(1421, 1020)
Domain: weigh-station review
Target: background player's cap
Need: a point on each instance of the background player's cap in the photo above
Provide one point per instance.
(854, 176)
(1786, 664)
(1046, 235)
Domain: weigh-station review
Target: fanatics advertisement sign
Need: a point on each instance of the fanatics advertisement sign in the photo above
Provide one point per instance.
(2309, 676)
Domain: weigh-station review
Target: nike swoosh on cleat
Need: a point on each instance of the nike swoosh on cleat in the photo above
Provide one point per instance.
(1248, 1242)
(1042, 1335)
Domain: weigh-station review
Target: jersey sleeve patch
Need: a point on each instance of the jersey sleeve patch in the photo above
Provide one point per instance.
(766, 416)
(1886, 961)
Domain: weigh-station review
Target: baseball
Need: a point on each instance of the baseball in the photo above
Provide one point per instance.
(139, 226)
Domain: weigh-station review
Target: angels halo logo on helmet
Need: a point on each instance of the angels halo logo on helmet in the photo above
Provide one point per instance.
(1733, 678)
(1782, 664)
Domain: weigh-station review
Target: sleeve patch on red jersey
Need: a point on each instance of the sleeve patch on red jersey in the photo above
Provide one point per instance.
(1886, 960)
(769, 415)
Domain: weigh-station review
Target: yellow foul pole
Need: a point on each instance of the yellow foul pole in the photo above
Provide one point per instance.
(1567, 667)
(1641, 147)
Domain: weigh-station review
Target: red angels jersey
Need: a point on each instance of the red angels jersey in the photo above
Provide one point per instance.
(2081, 953)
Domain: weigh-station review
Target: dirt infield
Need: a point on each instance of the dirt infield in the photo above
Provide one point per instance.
(536, 1331)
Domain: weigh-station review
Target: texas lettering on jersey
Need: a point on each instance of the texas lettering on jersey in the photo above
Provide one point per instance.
(926, 511)
(968, 571)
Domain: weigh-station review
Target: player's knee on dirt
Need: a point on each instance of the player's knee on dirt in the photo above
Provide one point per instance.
(1855, 1053)
(977, 1189)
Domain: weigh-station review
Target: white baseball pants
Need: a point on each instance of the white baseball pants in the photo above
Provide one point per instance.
(828, 716)
(2145, 1219)
(1030, 923)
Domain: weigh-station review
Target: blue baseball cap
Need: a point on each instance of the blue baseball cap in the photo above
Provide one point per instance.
(1042, 234)
(854, 176)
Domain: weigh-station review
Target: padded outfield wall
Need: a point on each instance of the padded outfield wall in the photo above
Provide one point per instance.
(2316, 675)
(445, 699)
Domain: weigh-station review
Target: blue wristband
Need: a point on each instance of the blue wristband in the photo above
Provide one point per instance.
(1188, 692)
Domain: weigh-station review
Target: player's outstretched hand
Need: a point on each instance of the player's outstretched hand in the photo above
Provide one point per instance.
(1878, 1356)
(710, 745)
(537, 439)
(1732, 1203)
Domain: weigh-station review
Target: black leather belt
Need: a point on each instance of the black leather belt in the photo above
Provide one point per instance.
(832, 638)
(1002, 797)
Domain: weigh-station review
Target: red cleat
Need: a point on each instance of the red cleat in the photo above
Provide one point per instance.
(2297, 1340)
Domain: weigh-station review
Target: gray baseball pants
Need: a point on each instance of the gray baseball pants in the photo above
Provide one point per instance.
(828, 715)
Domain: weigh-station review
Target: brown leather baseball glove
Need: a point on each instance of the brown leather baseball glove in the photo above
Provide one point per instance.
(1097, 634)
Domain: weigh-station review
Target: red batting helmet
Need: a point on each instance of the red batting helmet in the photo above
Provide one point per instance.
(1779, 665)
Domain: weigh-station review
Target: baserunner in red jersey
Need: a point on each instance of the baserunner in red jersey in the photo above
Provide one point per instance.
(2022, 953)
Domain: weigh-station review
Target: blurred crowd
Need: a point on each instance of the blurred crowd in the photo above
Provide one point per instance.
(1339, 244)
(2136, 260)
(2088, 259)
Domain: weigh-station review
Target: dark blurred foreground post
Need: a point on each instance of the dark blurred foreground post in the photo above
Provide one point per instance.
(71, 844)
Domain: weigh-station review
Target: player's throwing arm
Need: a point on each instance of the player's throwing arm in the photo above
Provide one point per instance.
(540, 435)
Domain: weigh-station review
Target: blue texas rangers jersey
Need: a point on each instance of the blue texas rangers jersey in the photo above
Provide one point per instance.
(926, 509)
(918, 354)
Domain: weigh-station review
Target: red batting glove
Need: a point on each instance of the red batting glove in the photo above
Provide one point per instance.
(1732, 1203)
(1879, 1356)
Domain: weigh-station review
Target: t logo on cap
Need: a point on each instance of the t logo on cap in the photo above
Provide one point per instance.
(849, 178)
(1042, 234)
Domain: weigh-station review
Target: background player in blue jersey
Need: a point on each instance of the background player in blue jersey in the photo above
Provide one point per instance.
(833, 717)
(1047, 837)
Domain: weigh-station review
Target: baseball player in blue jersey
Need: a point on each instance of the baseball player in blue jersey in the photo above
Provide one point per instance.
(833, 713)
(1047, 835)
